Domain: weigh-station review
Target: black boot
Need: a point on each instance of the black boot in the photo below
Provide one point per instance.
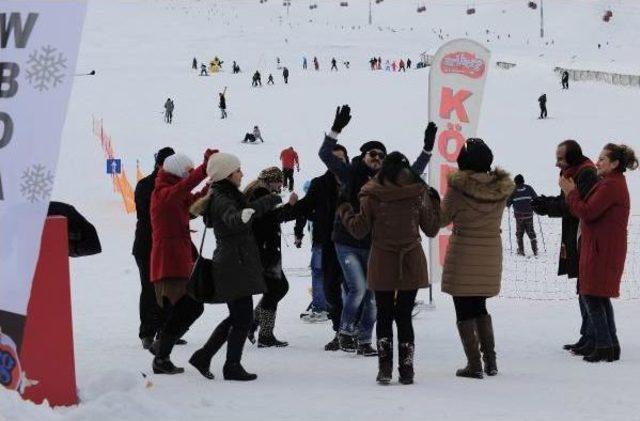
(616, 352)
(347, 342)
(534, 247)
(232, 369)
(487, 344)
(600, 354)
(570, 347)
(366, 350)
(161, 363)
(585, 349)
(406, 351)
(385, 360)
(266, 339)
(334, 345)
(201, 359)
(471, 345)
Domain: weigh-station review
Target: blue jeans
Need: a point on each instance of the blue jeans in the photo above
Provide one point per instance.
(602, 321)
(359, 305)
(318, 302)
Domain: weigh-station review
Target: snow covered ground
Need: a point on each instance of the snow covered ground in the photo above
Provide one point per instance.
(142, 52)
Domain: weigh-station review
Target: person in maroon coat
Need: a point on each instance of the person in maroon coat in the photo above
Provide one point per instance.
(172, 253)
(604, 216)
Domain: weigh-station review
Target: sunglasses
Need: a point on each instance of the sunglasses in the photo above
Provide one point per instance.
(376, 154)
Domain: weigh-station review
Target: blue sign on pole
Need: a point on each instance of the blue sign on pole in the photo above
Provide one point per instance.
(114, 166)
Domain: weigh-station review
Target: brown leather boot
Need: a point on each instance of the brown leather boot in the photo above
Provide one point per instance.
(471, 345)
(487, 344)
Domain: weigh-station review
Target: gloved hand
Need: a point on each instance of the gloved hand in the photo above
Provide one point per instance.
(298, 242)
(433, 194)
(246, 214)
(208, 153)
(430, 136)
(343, 116)
(293, 199)
(539, 205)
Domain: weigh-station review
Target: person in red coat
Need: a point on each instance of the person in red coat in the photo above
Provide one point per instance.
(289, 158)
(604, 216)
(172, 253)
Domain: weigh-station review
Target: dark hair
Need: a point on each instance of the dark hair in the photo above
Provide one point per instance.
(573, 154)
(393, 166)
(339, 147)
(519, 180)
(625, 156)
(475, 156)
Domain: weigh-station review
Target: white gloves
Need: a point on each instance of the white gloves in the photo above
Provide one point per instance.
(246, 215)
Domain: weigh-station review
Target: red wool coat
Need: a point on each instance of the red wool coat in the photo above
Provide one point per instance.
(604, 216)
(171, 250)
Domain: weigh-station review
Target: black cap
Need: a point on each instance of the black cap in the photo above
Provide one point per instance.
(163, 154)
(373, 144)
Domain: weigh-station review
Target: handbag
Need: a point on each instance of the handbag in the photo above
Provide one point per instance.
(201, 285)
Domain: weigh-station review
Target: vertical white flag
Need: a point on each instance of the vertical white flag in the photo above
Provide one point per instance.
(38, 49)
(456, 83)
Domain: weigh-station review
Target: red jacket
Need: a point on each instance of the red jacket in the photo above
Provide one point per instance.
(289, 158)
(171, 250)
(604, 216)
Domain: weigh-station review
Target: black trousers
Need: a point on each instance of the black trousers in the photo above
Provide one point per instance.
(332, 283)
(233, 330)
(565, 84)
(277, 288)
(181, 315)
(288, 178)
(470, 307)
(543, 111)
(526, 225)
(395, 306)
(151, 315)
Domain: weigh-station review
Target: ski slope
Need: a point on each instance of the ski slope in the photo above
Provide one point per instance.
(142, 52)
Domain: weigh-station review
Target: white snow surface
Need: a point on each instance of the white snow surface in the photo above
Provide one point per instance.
(142, 52)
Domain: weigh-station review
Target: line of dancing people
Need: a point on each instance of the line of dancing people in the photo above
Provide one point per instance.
(367, 216)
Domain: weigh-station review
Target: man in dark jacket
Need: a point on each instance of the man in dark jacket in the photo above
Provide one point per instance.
(573, 164)
(150, 314)
(285, 75)
(359, 310)
(319, 205)
(565, 80)
(267, 232)
(521, 200)
(542, 101)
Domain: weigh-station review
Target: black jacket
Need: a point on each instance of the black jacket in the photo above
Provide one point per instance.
(142, 241)
(267, 232)
(556, 207)
(237, 270)
(521, 200)
(318, 205)
(82, 235)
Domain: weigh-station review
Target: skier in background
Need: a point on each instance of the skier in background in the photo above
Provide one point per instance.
(256, 79)
(168, 111)
(523, 212)
(285, 75)
(270, 79)
(203, 70)
(408, 63)
(223, 103)
(194, 65)
(565, 80)
(235, 68)
(316, 65)
(543, 106)
(333, 64)
(252, 137)
(304, 63)
(401, 67)
(289, 159)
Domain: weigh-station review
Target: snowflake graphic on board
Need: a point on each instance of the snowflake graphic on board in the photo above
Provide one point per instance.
(45, 68)
(36, 184)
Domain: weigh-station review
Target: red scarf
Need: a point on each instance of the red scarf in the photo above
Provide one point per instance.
(572, 172)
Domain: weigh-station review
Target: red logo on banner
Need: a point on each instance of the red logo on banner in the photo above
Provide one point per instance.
(9, 365)
(463, 63)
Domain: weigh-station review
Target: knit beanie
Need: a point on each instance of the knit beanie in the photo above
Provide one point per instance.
(178, 165)
(162, 154)
(222, 165)
(373, 144)
(475, 156)
(271, 175)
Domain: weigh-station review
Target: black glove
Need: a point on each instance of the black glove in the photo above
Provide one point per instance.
(430, 136)
(343, 116)
(433, 194)
(539, 205)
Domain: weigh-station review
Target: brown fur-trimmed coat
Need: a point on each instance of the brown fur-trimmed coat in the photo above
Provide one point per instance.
(474, 203)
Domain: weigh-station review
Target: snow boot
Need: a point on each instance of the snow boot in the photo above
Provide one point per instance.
(385, 361)
(581, 342)
(232, 369)
(181, 342)
(534, 247)
(585, 349)
(487, 344)
(600, 354)
(347, 342)
(266, 339)
(366, 350)
(470, 343)
(201, 359)
(334, 345)
(235, 371)
(406, 351)
(161, 363)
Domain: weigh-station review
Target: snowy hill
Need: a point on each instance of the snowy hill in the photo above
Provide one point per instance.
(142, 52)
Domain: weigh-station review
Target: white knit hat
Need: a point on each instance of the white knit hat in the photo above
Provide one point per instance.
(222, 165)
(178, 164)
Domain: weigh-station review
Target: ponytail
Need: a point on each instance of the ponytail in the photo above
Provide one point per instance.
(625, 156)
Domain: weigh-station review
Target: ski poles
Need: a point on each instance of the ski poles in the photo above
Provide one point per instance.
(510, 242)
(544, 244)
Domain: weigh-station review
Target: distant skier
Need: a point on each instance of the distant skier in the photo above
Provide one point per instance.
(401, 67)
(543, 106)
(289, 158)
(203, 70)
(316, 64)
(270, 79)
(194, 64)
(523, 212)
(394, 67)
(333, 64)
(379, 63)
(235, 68)
(223, 103)
(346, 64)
(168, 111)
(253, 137)
(408, 63)
(565, 80)
(278, 63)
(304, 63)
(285, 75)
(256, 79)
(372, 63)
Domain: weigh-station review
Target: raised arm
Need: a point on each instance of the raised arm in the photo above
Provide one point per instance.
(334, 164)
(425, 155)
